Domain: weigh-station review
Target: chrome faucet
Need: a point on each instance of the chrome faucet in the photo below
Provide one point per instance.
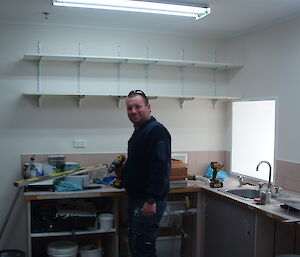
(270, 172)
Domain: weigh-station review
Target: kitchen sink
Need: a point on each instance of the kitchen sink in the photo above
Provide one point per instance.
(245, 192)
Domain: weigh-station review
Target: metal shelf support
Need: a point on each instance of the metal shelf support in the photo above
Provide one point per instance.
(214, 101)
(39, 100)
(118, 100)
(183, 99)
(79, 99)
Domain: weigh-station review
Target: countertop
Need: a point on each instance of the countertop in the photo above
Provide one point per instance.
(272, 210)
(104, 191)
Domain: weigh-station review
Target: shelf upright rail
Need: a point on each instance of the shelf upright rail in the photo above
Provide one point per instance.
(39, 101)
(81, 60)
(182, 68)
(215, 71)
(146, 66)
(119, 71)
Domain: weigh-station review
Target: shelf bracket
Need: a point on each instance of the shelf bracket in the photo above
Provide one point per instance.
(118, 77)
(182, 79)
(214, 101)
(118, 100)
(79, 99)
(183, 99)
(152, 97)
(39, 74)
(146, 66)
(39, 100)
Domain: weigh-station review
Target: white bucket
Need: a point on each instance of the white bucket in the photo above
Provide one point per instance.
(62, 249)
(106, 221)
(90, 251)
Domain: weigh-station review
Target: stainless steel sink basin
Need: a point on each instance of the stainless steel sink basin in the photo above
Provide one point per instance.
(244, 192)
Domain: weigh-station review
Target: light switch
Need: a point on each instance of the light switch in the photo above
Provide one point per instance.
(79, 143)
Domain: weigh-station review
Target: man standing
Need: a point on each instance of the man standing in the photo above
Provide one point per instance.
(145, 175)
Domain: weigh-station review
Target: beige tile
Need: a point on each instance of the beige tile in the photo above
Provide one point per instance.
(198, 161)
(292, 184)
(227, 158)
(280, 181)
(288, 175)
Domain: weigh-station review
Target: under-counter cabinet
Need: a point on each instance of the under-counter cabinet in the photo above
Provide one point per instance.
(229, 229)
(237, 229)
(42, 229)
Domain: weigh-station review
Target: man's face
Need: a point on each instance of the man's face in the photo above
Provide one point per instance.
(137, 110)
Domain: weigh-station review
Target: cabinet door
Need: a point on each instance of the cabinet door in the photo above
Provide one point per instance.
(229, 229)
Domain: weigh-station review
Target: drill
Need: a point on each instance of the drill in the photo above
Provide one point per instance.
(215, 182)
(115, 165)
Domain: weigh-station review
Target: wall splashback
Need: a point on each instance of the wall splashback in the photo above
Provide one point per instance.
(287, 173)
(198, 161)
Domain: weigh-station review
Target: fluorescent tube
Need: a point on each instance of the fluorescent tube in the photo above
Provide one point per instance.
(138, 6)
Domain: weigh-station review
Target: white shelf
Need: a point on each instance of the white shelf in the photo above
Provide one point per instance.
(149, 96)
(68, 233)
(181, 98)
(130, 60)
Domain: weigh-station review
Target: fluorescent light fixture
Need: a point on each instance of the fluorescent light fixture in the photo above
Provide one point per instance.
(138, 6)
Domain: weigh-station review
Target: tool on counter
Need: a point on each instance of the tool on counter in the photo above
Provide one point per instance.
(114, 166)
(215, 182)
(25, 182)
(29, 166)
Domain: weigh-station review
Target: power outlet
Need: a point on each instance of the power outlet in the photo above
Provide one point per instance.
(79, 143)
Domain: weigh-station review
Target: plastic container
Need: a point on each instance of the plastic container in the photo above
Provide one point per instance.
(168, 220)
(168, 246)
(72, 166)
(90, 251)
(106, 221)
(62, 249)
(80, 180)
(57, 160)
(11, 253)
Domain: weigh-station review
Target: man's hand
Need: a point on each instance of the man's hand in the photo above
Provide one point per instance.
(149, 209)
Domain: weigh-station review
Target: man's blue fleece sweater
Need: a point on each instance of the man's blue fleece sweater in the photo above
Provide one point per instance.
(147, 169)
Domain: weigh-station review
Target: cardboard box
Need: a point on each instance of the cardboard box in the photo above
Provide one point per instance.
(178, 168)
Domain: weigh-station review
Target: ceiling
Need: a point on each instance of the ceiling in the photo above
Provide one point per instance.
(228, 18)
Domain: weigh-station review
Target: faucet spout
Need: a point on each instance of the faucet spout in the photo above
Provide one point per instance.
(270, 171)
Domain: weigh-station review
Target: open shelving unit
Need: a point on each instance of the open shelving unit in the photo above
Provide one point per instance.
(39, 224)
(215, 66)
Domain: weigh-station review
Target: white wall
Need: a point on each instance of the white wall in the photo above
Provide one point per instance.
(25, 128)
(271, 59)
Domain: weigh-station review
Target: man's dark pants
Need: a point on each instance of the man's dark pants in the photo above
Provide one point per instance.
(143, 230)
